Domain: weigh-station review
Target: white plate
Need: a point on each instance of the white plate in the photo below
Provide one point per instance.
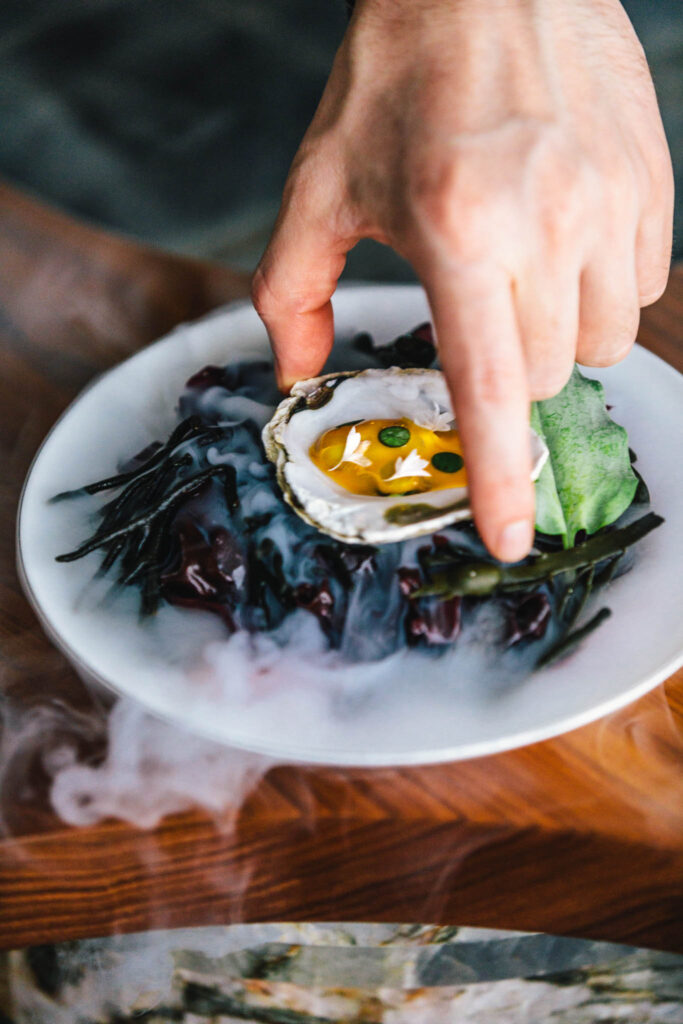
(420, 710)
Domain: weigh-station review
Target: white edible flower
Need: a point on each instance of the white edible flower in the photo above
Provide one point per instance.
(412, 465)
(354, 450)
(435, 419)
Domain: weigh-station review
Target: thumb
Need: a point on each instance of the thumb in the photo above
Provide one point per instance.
(293, 285)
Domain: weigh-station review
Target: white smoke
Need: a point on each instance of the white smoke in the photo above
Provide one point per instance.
(151, 769)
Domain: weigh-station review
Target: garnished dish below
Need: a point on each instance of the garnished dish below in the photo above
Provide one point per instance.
(354, 518)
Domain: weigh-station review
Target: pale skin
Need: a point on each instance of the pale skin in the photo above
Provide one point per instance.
(513, 152)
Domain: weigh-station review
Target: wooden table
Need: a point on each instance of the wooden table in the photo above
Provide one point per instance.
(580, 835)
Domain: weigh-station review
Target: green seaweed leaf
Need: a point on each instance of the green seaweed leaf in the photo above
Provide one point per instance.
(587, 481)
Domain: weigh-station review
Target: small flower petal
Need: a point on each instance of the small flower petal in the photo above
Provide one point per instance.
(435, 419)
(354, 450)
(412, 465)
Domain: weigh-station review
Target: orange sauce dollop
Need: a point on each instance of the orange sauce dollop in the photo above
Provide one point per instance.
(367, 467)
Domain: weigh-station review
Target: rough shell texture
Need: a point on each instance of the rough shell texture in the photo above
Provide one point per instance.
(321, 403)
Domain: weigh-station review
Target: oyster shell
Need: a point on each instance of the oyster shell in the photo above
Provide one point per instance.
(320, 405)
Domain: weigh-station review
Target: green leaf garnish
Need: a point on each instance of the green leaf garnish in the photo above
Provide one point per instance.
(447, 462)
(587, 481)
(394, 437)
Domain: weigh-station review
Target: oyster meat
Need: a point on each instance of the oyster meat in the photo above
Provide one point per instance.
(373, 456)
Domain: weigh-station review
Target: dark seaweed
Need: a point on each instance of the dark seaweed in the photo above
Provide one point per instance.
(571, 576)
(414, 350)
(183, 527)
(528, 617)
(160, 455)
(207, 571)
(428, 621)
(571, 640)
(143, 526)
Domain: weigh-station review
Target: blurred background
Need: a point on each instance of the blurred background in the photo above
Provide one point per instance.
(175, 121)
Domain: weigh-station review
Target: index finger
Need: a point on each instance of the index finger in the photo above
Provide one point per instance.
(482, 358)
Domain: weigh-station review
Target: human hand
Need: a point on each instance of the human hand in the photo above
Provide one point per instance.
(514, 154)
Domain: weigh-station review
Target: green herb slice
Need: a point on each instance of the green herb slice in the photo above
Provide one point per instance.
(395, 436)
(447, 462)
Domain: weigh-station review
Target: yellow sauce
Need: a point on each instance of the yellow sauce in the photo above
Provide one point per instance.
(326, 453)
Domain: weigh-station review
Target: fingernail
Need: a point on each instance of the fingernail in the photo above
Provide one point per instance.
(515, 540)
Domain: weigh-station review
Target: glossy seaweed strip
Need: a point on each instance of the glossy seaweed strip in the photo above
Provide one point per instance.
(102, 539)
(135, 526)
(478, 578)
(192, 427)
(584, 568)
(570, 640)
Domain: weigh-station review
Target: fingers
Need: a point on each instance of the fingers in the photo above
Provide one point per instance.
(482, 358)
(653, 259)
(630, 265)
(548, 319)
(294, 283)
(610, 309)
(655, 234)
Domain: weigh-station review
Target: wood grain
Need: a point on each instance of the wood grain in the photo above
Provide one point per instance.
(580, 835)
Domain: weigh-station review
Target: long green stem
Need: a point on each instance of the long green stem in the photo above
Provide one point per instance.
(479, 579)
(570, 640)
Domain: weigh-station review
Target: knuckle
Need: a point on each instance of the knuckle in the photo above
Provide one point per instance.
(288, 297)
(621, 187)
(564, 187)
(603, 357)
(261, 294)
(448, 206)
(609, 346)
(626, 328)
(559, 206)
(654, 287)
(270, 300)
(566, 214)
(489, 383)
(653, 265)
(304, 174)
(660, 167)
(547, 381)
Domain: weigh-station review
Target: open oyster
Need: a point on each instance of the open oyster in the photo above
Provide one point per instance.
(373, 456)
